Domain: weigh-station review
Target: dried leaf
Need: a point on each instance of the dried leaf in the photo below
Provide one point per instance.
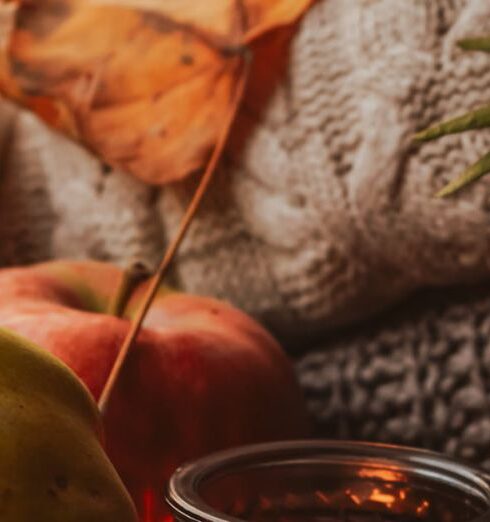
(145, 84)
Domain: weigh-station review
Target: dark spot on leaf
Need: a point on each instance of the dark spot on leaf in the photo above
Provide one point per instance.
(52, 492)
(187, 59)
(42, 18)
(29, 79)
(106, 169)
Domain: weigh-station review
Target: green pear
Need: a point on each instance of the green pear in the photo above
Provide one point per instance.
(52, 465)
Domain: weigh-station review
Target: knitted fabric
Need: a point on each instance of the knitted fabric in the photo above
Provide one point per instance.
(326, 219)
(329, 217)
(421, 376)
(57, 201)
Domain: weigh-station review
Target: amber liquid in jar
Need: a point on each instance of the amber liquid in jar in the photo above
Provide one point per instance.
(336, 482)
(339, 499)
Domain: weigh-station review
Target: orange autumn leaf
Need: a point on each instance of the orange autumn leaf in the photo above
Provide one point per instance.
(148, 85)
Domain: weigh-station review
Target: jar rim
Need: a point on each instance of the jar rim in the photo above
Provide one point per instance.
(184, 500)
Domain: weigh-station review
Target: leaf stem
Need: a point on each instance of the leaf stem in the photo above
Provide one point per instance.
(162, 269)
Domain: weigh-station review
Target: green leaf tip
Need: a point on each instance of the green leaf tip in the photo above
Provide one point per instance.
(476, 171)
(475, 44)
(478, 119)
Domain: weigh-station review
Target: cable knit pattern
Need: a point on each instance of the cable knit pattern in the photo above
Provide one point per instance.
(328, 215)
(58, 201)
(331, 207)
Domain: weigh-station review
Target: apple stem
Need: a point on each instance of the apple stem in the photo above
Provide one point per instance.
(172, 249)
(132, 276)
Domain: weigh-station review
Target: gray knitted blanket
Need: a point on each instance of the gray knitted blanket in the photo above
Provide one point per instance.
(326, 220)
(419, 375)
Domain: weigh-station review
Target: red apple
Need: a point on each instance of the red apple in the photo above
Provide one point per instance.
(202, 376)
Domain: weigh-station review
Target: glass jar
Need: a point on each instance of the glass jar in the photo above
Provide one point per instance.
(328, 482)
